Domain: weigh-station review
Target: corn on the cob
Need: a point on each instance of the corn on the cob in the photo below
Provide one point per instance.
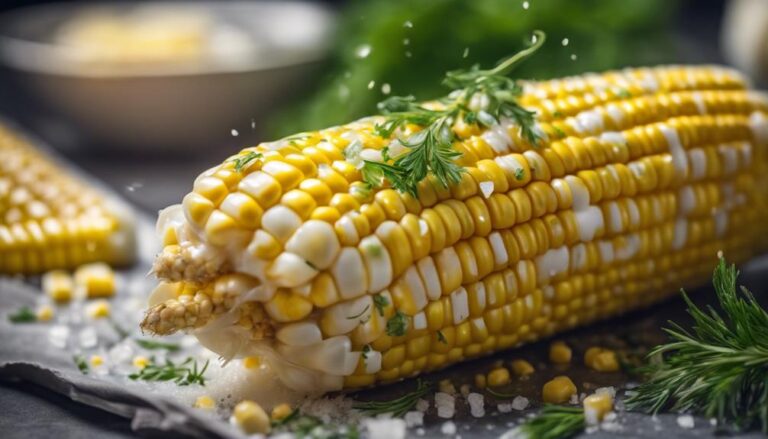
(51, 219)
(641, 177)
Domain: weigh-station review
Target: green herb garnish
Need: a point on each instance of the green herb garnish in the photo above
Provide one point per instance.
(380, 302)
(396, 407)
(242, 161)
(155, 345)
(366, 350)
(397, 325)
(554, 422)
(717, 369)
(183, 374)
(519, 174)
(311, 427)
(430, 151)
(82, 365)
(441, 338)
(23, 315)
(623, 93)
(499, 395)
(560, 133)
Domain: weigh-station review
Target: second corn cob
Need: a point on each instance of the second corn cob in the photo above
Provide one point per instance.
(640, 178)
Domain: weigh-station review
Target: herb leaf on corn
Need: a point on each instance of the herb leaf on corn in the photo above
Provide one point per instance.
(430, 150)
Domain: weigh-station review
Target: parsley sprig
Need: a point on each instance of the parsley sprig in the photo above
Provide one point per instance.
(719, 368)
(23, 315)
(183, 374)
(430, 151)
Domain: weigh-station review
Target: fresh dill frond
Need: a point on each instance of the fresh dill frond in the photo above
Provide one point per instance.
(397, 324)
(183, 374)
(23, 315)
(156, 345)
(430, 151)
(396, 407)
(380, 302)
(81, 364)
(554, 422)
(242, 161)
(719, 368)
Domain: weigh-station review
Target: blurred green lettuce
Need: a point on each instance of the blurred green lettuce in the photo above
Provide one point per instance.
(406, 46)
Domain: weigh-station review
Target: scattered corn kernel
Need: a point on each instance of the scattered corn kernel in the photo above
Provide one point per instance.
(44, 313)
(251, 418)
(252, 362)
(596, 406)
(558, 390)
(601, 359)
(96, 280)
(140, 361)
(97, 360)
(281, 411)
(58, 285)
(205, 402)
(498, 377)
(446, 386)
(98, 309)
(480, 381)
(559, 353)
(522, 368)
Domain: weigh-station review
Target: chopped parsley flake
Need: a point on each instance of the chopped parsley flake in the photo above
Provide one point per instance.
(380, 302)
(397, 325)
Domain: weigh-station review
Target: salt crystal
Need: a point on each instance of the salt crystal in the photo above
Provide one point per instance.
(685, 421)
(386, 88)
(574, 399)
(422, 405)
(504, 407)
(363, 51)
(87, 338)
(565, 41)
(420, 432)
(446, 405)
(414, 419)
(526, 5)
(611, 391)
(391, 428)
(234, 133)
(713, 422)
(58, 336)
(476, 404)
(121, 353)
(486, 187)
(520, 403)
(371, 85)
(448, 428)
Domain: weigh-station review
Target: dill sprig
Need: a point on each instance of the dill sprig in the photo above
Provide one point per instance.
(81, 364)
(430, 151)
(554, 422)
(303, 426)
(23, 315)
(183, 374)
(396, 407)
(152, 345)
(241, 162)
(717, 369)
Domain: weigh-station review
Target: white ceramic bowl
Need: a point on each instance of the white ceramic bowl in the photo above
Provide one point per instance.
(168, 106)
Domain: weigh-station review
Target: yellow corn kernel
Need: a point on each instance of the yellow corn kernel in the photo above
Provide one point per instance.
(98, 310)
(58, 285)
(252, 362)
(211, 188)
(251, 418)
(558, 390)
(204, 402)
(140, 361)
(601, 360)
(480, 381)
(522, 368)
(44, 313)
(559, 353)
(95, 280)
(286, 306)
(596, 406)
(281, 411)
(498, 377)
(96, 360)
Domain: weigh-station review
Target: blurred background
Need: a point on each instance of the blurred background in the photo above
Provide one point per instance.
(145, 95)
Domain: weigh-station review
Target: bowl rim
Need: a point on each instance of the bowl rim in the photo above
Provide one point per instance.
(52, 59)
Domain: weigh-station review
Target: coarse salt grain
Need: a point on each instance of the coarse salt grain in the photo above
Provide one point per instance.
(504, 407)
(476, 404)
(446, 405)
(520, 403)
(391, 428)
(422, 405)
(448, 428)
(685, 421)
(414, 419)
